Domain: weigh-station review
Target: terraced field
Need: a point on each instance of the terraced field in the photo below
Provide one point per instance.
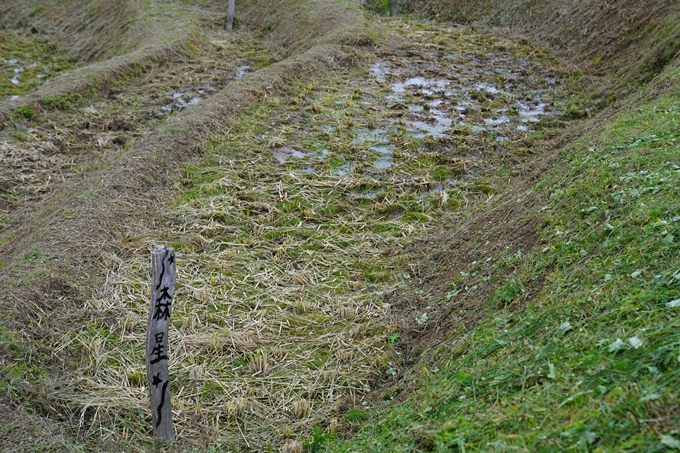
(357, 204)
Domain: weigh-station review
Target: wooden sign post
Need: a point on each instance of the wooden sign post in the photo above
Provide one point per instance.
(164, 277)
(231, 7)
(393, 8)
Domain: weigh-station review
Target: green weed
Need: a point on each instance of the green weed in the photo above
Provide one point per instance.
(593, 363)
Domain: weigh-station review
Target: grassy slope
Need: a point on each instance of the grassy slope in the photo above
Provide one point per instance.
(593, 363)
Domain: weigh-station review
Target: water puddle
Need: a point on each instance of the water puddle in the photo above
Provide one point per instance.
(179, 100)
(426, 102)
(386, 158)
(285, 153)
(496, 121)
(436, 130)
(379, 70)
(27, 63)
(439, 188)
(366, 194)
(383, 149)
(375, 135)
(531, 111)
(423, 85)
(487, 88)
(243, 70)
(345, 169)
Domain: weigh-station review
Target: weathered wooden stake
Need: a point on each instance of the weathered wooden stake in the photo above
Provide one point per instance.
(164, 277)
(230, 15)
(393, 8)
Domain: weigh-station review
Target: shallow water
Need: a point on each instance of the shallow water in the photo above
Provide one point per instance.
(285, 153)
(426, 86)
(531, 112)
(243, 70)
(27, 63)
(485, 87)
(471, 88)
(383, 163)
(375, 135)
(436, 130)
(386, 159)
(496, 121)
(424, 101)
(379, 70)
(344, 170)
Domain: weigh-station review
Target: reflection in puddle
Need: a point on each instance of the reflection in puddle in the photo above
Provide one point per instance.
(190, 96)
(183, 100)
(427, 86)
(437, 127)
(386, 159)
(433, 191)
(383, 149)
(529, 112)
(487, 88)
(242, 70)
(383, 163)
(285, 153)
(367, 195)
(496, 121)
(344, 169)
(376, 135)
(379, 70)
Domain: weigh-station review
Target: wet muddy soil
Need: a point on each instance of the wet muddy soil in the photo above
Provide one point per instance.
(467, 103)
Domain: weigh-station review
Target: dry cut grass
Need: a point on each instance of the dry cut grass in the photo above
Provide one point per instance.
(280, 323)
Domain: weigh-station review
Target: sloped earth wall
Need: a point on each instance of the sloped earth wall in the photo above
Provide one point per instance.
(617, 46)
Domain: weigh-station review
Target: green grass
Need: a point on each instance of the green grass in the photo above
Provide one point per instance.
(29, 62)
(279, 326)
(593, 363)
